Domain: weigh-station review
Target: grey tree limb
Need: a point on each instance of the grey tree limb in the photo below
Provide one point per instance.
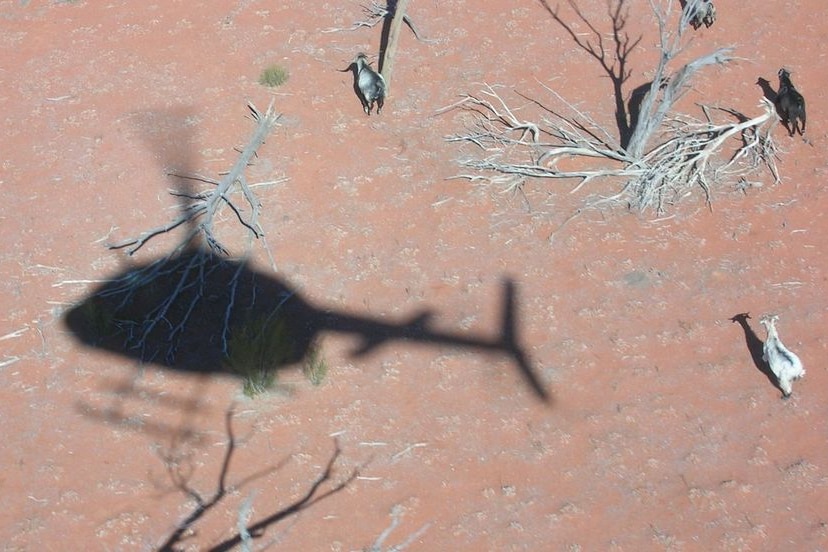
(396, 517)
(390, 54)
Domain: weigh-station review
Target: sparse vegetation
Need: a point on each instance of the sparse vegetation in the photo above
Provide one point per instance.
(257, 349)
(315, 367)
(273, 76)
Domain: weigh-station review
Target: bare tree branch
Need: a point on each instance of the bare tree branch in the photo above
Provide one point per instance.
(653, 110)
(389, 51)
(683, 160)
(375, 13)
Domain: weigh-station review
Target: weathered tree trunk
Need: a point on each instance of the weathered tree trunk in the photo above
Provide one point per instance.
(393, 37)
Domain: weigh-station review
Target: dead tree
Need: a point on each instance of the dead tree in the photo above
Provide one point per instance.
(375, 13)
(200, 210)
(390, 53)
(659, 156)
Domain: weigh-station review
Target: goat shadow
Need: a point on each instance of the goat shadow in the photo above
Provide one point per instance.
(180, 312)
(755, 348)
(352, 68)
(767, 90)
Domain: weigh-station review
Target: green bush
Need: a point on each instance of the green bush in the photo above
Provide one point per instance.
(315, 367)
(273, 76)
(257, 349)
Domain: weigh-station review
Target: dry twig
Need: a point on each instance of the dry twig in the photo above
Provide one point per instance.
(396, 516)
(684, 160)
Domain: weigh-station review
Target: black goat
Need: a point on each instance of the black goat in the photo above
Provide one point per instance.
(371, 85)
(699, 12)
(790, 104)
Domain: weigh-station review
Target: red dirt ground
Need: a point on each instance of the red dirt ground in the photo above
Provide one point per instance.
(660, 432)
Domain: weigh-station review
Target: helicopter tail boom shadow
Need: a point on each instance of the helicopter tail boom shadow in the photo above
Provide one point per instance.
(374, 334)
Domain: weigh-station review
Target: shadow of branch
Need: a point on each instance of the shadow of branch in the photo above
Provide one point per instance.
(257, 529)
(613, 58)
(180, 481)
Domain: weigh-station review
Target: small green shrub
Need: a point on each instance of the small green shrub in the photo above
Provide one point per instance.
(257, 349)
(274, 75)
(315, 367)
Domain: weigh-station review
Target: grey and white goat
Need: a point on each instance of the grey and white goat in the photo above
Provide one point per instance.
(698, 13)
(371, 85)
(790, 104)
(784, 364)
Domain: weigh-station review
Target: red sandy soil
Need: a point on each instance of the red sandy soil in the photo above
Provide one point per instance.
(660, 432)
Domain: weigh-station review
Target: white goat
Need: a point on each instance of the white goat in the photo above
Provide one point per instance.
(784, 364)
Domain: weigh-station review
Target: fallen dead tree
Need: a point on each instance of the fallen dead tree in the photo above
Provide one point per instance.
(155, 304)
(659, 156)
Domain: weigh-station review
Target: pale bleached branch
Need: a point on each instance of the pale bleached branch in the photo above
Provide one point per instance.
(684, 160)
(396, 517)
(201, 213)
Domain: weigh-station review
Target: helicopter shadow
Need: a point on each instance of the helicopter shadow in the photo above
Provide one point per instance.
(181, 312)
(194, 308)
